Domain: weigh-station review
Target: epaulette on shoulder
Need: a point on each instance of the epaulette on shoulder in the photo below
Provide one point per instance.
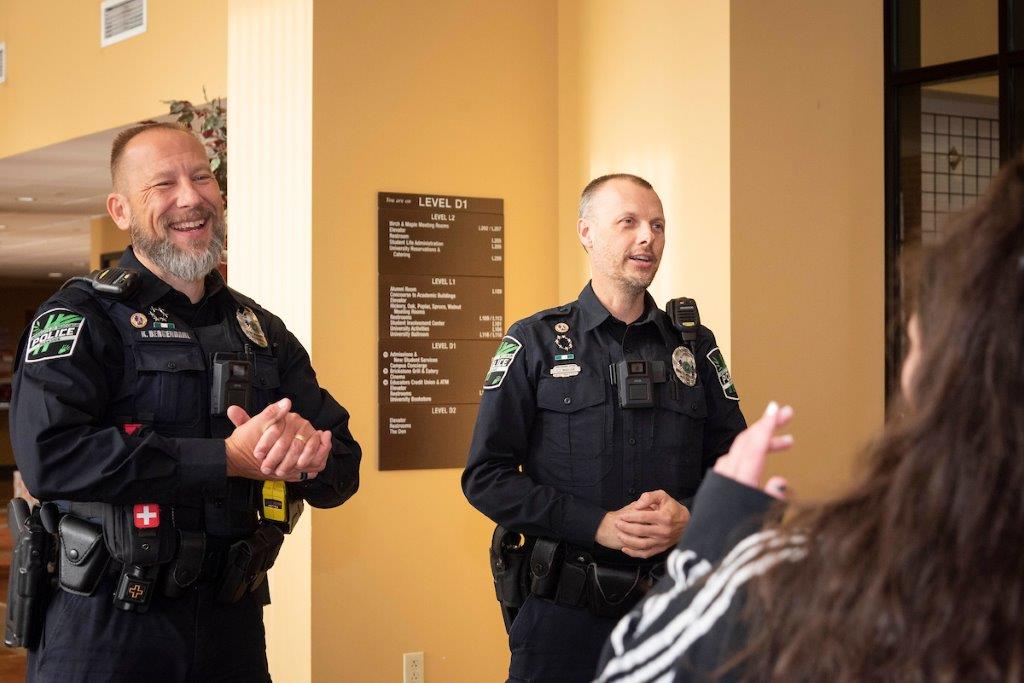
(243, 300)
(557, 311)
(113, 282)
(564, 309)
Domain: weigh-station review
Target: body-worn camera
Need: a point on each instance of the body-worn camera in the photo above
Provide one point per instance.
(635, 380)
(232, 382)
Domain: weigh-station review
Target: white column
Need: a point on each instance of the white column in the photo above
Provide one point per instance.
(270, 75)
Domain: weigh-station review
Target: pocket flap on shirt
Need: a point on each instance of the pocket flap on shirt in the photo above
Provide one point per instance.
(168, 358)
(569, 394)
(265, 372)
(686, 400)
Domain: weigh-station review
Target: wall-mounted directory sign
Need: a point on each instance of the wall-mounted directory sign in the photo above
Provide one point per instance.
(441, 303)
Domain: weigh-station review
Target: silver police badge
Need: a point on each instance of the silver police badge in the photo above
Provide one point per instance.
(685, 365)
(250, 325)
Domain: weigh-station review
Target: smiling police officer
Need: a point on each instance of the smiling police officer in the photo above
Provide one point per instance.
(131, 415)
(597, 424)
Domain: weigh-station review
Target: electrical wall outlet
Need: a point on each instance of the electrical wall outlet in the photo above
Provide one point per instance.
(412, 667)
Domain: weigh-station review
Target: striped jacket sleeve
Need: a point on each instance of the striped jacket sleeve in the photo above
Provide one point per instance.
(688, 626)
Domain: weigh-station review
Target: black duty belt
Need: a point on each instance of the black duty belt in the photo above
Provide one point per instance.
(570, 576)
(235, 566)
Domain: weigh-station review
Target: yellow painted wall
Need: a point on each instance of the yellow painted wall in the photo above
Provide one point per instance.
(808, 225)
(451, 97)
(644, 89)
(105, 237)
(61, 84)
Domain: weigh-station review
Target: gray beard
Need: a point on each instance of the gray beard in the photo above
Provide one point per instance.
(183, 265)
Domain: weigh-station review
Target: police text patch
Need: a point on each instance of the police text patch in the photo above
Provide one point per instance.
(724, 376)
(506, 353)
(53, 335)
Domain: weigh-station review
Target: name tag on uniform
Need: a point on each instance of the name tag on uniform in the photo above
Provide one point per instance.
(164, 335)
(566, 370)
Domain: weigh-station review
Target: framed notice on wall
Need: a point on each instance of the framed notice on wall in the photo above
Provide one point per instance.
(441, 303)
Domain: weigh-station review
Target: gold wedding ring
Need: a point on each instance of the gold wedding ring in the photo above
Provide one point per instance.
(300, 437)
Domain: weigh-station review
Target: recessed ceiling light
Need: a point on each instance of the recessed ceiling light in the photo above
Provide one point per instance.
(26, 199)
(56, 274)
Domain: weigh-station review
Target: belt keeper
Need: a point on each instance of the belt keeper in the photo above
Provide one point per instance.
(186, 567)
(189, 563)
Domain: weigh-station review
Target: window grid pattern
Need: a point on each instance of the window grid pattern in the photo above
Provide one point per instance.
(959, 156)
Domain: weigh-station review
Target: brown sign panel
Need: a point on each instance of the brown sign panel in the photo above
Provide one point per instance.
(441, 307)
(433, 372)
(425, 437)
(454, 243)
(441, 304)
(440, 202)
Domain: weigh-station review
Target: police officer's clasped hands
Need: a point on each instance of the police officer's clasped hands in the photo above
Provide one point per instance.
(275, 445)
(651, 524)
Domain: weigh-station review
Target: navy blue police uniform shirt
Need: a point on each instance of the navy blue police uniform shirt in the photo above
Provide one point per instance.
(553, 451)
(73, 398)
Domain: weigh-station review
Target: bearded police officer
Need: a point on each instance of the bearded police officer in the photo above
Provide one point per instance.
(598, 421)
(131, 419)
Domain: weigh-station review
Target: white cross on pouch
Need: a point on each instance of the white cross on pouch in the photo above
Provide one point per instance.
(146, 515)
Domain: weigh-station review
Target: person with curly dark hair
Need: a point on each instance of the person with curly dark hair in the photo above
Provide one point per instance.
(916, 573)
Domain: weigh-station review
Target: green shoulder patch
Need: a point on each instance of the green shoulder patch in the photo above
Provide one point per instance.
(54, 334)
(503, 357)
(724, 376)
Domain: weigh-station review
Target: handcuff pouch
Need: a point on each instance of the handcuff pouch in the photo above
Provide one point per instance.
(83, 558)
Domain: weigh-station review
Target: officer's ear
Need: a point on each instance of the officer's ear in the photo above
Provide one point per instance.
(583, 232)
(119, 209)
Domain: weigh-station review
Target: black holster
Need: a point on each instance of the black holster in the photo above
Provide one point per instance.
(28, 589)
(248, 561)
(508, 558)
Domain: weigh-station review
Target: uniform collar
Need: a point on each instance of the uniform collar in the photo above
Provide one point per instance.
(152, 288)
(669, 333)
(594, 313)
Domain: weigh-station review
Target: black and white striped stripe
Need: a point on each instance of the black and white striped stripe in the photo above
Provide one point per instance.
(650, 640)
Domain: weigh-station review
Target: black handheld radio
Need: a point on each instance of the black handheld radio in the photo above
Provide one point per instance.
(685, 317)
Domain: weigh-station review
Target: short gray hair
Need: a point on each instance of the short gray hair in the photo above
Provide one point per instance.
(126, 136)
